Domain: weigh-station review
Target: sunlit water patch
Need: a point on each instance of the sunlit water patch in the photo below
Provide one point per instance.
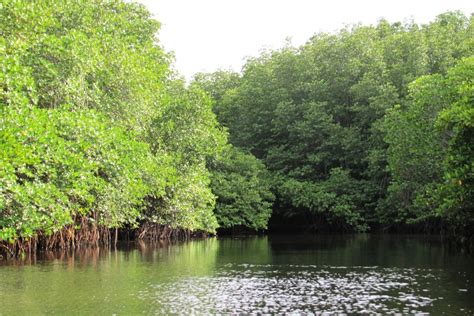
(324, 274)
(295, 289)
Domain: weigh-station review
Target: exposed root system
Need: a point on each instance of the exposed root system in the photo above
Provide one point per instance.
(91, 235)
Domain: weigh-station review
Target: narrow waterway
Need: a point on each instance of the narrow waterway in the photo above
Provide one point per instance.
(274, 274)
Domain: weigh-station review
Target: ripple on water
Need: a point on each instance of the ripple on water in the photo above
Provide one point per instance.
(295, 289)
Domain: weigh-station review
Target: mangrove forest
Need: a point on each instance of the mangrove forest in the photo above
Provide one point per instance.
(367, 129)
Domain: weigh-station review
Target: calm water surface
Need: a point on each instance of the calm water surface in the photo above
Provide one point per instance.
(276, 274)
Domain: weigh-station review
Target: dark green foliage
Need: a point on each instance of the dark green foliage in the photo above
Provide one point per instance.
(431, 149)
(415, 152)
(336, 200)
(315, 115)
(457, 120)
(241, 184)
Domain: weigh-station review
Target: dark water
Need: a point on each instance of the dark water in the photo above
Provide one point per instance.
(341, 274)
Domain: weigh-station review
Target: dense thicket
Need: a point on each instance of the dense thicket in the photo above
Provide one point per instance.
(350, 141)
(97, 132)
(242, 186)
(431, 150)
(371, 127)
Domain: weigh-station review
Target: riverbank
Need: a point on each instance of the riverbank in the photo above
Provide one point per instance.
(94, 236)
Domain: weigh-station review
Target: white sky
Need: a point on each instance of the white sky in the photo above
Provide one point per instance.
(206, 35)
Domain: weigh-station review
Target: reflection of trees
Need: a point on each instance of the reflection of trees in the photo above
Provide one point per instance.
(195, 257)
(137, 277)
(362, 250)
(91, 280)
(253, 250)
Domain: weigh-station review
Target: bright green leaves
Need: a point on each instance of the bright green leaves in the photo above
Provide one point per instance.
(57, 165)
(31, 150)
(189, 133)
(93, 124)
(89, 56)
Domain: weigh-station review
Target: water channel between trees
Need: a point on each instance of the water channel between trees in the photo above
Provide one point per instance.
(271, 274)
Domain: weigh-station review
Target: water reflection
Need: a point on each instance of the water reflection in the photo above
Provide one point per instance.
(276, 274)
(246, 289)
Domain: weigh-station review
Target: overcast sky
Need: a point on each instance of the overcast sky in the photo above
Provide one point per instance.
(206, 35)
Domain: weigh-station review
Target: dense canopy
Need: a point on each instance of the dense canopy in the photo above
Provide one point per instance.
(367, 128)
(97, 131)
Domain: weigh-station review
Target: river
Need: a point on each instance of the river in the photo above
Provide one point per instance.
(363, 273)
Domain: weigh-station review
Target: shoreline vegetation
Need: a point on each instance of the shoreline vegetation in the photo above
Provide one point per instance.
(366, 129)
(90, 237)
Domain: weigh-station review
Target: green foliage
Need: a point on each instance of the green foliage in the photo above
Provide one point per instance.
(92, 54)
(315, 115)
(58, 165)
(240, 182)
(95, 125)
(335, 199)
(189, 132)
(431, 150)
(415, 151)
(457, 121)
